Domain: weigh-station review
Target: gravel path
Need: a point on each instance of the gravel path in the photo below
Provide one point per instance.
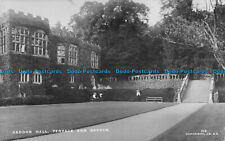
(208, 124)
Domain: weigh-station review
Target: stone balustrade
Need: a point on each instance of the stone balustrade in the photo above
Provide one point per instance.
(211, 88)
(157, 77)
(108, 79)
(151, 81)
(219, 75)
(182, 89)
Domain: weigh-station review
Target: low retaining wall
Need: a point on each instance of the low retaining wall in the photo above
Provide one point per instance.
(143, 84)
(150, 81)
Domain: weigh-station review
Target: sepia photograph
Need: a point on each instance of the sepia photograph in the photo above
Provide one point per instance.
(112, 70)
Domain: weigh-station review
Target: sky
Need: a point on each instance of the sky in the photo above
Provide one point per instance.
(62, 10)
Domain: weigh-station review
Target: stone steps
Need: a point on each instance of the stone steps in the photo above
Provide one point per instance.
(197, 91)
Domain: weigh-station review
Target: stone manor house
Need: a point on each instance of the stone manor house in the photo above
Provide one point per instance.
(26, 43)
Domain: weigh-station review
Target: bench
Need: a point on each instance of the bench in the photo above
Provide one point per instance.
(154, 99)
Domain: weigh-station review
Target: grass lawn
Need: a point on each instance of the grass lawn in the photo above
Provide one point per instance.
(66, 116)
(207, 124)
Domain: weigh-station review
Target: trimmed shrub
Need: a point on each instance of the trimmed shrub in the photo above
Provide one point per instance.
(220, 86)
(118, 95)
(221, 96)
(167, 94)
(30, 100)
(68, 95)
(11, 101)
(130, 94)
(37, 100)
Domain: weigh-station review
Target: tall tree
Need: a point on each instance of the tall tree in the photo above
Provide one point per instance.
(119, 26)
(199, 29)
(85, 23)
(61, 30)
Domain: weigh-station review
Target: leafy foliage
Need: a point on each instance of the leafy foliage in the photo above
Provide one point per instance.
(61, 30)
(194, 28)
(119, 26)
(186, 38)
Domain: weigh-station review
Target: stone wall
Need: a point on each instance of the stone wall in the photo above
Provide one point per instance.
(143, 84)
(149, 83)
(84, 61)
(152, 81)
(28, 61)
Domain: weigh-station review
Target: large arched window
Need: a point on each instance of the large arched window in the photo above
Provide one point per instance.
(73, 55)
(24, 77)
(61, 54)
(72, 79)
(40, 43)
(3, 32)
(1, 77)
(37, 78)
(20, 39)
(94, 60)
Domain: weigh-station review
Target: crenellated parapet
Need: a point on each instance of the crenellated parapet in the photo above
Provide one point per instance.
(19, 18)
(91, 44)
